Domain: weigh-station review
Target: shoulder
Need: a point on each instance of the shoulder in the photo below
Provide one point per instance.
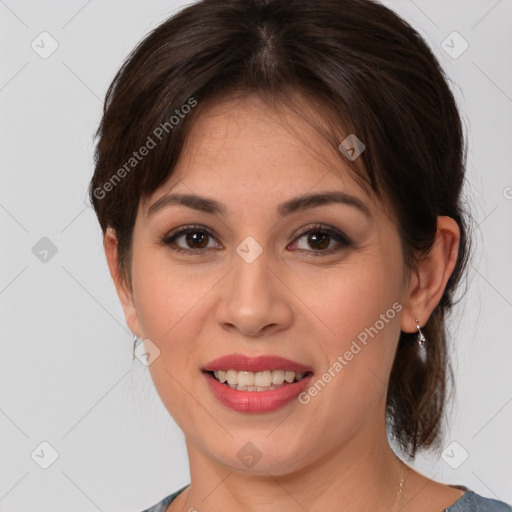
(473, 502)
(162, 505)
(469, 502)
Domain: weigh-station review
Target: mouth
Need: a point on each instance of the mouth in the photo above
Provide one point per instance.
(244, 398)
(256, 384)
(266, 380)
(256, 373)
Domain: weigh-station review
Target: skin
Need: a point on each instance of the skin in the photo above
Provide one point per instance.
(292, 301)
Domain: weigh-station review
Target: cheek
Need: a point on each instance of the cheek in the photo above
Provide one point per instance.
(364, 314)
(167, 297)
(351, 301)
(361, 309)
(169, 312)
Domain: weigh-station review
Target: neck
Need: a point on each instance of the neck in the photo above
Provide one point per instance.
(363, 474)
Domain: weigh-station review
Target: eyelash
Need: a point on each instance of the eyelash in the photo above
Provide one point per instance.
(318, 228)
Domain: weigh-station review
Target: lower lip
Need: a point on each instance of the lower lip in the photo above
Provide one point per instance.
(256, 401)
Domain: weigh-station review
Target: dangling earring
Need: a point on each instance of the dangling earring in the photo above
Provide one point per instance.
(134, 343)
(422, 350)
(421, 338)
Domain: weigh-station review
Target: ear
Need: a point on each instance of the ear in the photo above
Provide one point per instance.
(429, 279)
(122, 286)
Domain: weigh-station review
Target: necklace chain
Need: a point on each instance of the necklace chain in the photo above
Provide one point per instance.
(400, 494)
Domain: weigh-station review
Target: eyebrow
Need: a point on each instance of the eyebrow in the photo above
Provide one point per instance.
(293, 205)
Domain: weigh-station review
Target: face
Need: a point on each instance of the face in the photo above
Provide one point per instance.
(320, 283)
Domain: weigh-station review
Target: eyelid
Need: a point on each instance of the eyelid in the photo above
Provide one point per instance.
(324, 228)
(343, 241)
(182, 230)
(170, 237)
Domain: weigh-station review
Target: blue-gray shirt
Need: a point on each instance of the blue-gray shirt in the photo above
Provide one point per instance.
(469, 502)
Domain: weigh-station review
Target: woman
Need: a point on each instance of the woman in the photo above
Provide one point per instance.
(279, 187)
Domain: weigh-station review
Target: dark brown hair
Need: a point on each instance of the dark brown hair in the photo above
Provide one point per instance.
(369, 72)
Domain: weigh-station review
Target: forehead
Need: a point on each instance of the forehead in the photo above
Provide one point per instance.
(244, 150)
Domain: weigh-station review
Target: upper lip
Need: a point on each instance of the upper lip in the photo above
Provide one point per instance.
(241, 362)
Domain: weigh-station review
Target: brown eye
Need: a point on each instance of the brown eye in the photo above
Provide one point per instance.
(196, 239)
(193, 239)
(319, 240)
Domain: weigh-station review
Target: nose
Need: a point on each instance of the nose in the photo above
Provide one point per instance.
(255, 301)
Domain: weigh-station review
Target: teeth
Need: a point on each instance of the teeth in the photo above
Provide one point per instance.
(245, 379)
(277, 377)
(262, 379)
(259, 381)
(222, 376)
(289, 376)
(232, 377)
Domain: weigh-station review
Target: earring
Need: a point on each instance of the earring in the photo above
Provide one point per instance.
(422, 351)
(134, 343)
(421, 338)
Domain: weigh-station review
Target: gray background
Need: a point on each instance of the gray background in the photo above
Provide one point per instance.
(66, 375)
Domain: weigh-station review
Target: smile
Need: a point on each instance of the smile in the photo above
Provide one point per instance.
(256, 399)
(266, 380)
